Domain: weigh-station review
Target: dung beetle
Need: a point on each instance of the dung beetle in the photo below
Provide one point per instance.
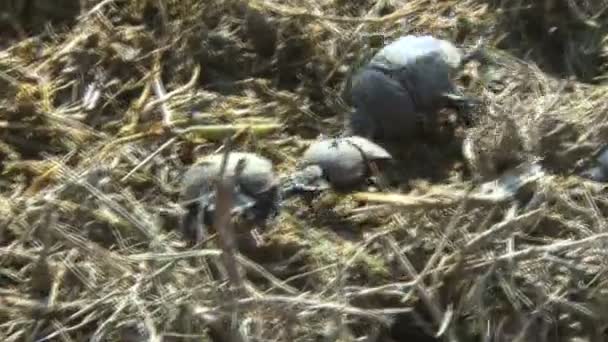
(398, 93)
(256, 192)
(341, 163)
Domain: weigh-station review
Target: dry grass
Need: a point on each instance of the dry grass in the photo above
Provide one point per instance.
(103, 108)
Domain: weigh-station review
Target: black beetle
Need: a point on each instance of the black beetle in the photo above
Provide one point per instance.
(398, 93)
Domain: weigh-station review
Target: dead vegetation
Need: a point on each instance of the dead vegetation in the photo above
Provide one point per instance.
(103, 108)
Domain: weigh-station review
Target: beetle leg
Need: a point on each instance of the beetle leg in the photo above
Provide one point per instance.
(463, 106)
(309, 179)
(271, 204)
(319, 185)
(243, 203)
(193, 225)
(201, 230)
(188, 224)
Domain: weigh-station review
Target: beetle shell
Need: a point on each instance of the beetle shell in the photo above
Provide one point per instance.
(371, 151)
(403, 86)
(344, 160)
(384, 108)
(256, 177)
(408, 49)
(423, 65)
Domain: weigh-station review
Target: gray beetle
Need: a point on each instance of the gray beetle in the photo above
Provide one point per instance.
(256, 192)
(397, 94)
(341, 163)
(598, 173)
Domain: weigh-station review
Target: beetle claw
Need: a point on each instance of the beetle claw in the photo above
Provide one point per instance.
(193, 224)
